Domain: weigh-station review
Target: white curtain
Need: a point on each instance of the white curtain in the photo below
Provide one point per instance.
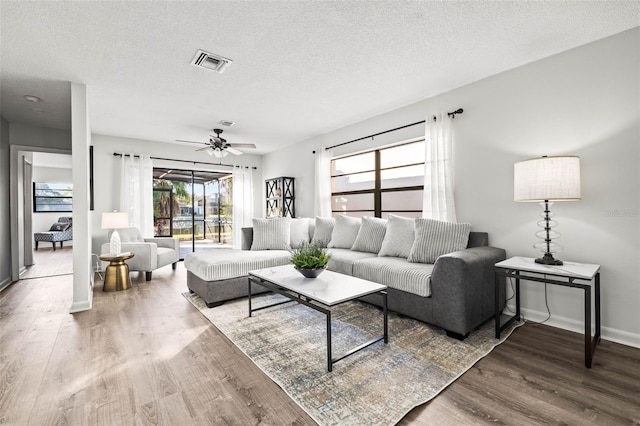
(322, 201)
(136, 192)
(242, 202)
(438, 200)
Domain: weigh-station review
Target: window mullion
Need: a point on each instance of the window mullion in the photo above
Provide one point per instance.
(377, 195)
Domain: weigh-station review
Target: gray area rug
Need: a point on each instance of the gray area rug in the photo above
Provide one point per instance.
(378, 385)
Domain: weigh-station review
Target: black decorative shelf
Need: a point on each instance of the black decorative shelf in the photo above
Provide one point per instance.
(280, 197)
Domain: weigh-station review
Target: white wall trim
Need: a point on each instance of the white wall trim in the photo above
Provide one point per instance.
(5, 283)
(569, 324)
(81, 305)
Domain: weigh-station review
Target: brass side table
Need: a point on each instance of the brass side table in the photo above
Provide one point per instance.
(116, 276)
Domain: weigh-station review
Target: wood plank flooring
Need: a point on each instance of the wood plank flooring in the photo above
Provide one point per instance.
(147, 356)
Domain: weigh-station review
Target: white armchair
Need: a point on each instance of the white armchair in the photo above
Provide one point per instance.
(150, 253)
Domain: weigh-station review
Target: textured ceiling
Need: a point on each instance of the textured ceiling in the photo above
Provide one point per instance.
(300, 68)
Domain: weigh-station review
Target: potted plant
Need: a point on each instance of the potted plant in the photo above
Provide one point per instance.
(310, 259)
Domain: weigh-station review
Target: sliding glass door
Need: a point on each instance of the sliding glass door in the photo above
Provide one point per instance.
(194, 206)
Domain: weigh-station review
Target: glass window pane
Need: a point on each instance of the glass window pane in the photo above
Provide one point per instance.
(401, 155)
(355, 182)
(402, 177)
(402, 200)
(385, 215)
(355, 163)
(355, 214)
(342, 203)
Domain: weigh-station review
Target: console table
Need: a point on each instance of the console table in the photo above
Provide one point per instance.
(571, 274)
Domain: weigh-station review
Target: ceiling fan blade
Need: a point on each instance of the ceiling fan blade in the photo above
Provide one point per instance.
(202, 149)
(233, 151)
(241, 145)
(200, 143)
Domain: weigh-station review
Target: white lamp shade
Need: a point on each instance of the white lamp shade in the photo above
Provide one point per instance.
(547, 178)
(115, 220)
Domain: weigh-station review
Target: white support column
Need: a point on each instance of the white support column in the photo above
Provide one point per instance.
(80, 142)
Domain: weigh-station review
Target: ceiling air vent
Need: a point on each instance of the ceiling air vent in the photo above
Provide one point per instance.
(226, 123)
(210, 61)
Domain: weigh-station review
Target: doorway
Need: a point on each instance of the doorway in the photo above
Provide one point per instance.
(194, 206)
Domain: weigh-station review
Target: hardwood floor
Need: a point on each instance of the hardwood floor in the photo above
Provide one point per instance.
(147, 356)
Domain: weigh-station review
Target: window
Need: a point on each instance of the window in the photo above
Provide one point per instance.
(52, 197)
(378, 183)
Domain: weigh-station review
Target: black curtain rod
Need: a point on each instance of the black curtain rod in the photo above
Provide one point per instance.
(117, 154)
(450, 114)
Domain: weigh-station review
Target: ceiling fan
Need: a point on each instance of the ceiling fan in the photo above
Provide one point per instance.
(219, 147)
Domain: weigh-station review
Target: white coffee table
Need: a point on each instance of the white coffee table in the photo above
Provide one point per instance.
(321, 293)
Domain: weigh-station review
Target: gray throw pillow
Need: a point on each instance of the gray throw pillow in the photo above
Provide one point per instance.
(399, 237)
(322, 231)
(271, 234)
(435, 238)
(370, 235)
(299, 232)
(344, 232)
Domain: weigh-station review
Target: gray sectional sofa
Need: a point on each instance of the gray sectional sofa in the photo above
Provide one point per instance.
(454, 292)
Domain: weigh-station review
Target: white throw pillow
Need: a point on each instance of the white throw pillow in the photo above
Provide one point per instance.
(435, 238)
(344, 232)
(299, 232)
(271, 234)
(322, 231)
(370, 235)
(399, 237)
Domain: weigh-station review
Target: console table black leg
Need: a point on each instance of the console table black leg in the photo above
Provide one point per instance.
(597, 296)
(518, 296)
(587, 326)
(496, 285)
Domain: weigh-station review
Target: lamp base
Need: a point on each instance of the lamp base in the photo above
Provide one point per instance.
(114, 243)
(548, 259)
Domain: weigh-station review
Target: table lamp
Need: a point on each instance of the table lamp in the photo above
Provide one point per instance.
(115, 220)
(545, 180)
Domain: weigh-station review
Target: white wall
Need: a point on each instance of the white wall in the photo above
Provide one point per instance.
(106, 170)
(582, 102)
(5, 222)
(42, 221)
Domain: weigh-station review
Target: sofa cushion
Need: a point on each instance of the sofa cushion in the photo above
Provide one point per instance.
(396, 272)
(399, 237)
(299, 232)
(271, 234)
(221, 264)
(342, 260)
(59, 226)
(344, 232)
(370, 235)
(322, 230)
(435, 238)
(129, 235)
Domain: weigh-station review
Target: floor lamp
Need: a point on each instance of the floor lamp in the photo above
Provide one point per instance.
(545, 180)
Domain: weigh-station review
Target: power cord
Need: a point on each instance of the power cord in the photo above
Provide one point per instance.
(546, 302)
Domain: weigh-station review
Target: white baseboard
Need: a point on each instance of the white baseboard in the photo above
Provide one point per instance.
(607, 333)
(82, 305)
(5, 283)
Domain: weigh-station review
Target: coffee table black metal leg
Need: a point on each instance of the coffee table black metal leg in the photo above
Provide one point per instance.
(329, 357)
(250, 311)
(386, 321)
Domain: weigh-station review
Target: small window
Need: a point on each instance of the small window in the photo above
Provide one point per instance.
(380, 182)
(52, 197)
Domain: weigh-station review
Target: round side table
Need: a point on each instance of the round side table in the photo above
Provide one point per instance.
(116, 276)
